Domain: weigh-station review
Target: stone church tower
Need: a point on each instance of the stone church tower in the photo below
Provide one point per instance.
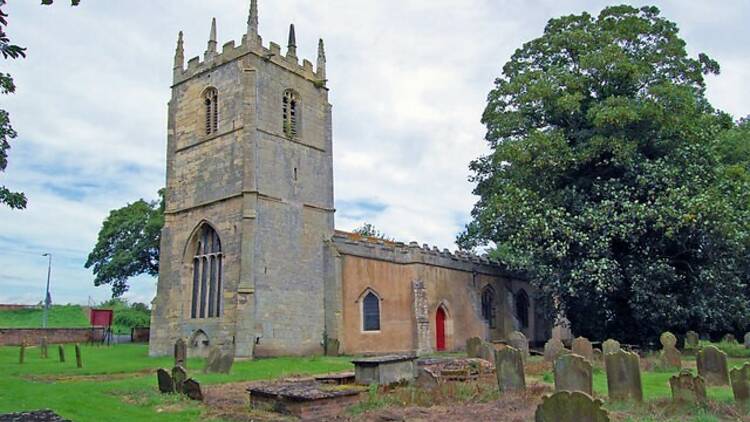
(245, 256)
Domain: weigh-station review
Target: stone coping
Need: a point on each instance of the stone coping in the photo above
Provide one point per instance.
(377, 360)
(303, 391)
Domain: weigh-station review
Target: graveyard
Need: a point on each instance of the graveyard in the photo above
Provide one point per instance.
(120, 383)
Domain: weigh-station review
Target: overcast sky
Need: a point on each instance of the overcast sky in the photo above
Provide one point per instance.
(408, 84)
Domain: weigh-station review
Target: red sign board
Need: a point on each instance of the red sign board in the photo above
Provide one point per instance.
(101, 317)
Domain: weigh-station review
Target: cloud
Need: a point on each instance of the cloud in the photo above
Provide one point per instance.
(408, 83)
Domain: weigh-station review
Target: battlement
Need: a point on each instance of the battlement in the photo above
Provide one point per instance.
(251, 43)
(402, 253)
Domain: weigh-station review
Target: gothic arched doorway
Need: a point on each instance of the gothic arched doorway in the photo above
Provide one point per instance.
(440, 318)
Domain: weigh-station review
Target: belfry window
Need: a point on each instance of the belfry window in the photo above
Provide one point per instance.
(206, 298)
(290, 113)
(488, 306)
(522, 308)
(371, 312)
(211, 102)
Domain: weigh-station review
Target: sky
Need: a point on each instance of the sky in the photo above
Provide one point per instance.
(408, 81)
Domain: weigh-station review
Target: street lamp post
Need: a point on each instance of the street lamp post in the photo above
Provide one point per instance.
(46, 297)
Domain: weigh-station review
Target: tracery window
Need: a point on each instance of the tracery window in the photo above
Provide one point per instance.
(488, 306)
(207, 272)
(371, 312)
(211, 102)
(522, 308)
(290, 111)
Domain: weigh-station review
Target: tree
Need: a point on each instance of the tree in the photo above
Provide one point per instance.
(367, 229)
(12, 199)
(606, 183)
(72, 2)
(128, 244)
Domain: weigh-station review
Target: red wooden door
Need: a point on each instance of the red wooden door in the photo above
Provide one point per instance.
(440, 329)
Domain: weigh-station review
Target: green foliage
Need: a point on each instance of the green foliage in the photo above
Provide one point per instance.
(369, 230)
(609, 182)
(128, 244)
(127, 316)
(60, 316)
(72, 2)
(733, 350)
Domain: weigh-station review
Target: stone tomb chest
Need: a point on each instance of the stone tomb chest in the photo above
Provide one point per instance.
(385, 370)
(307, 400)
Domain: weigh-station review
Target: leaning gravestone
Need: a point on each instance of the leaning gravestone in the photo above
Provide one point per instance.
(79, 360)
(180, 353)
(687, 387)
(582, 347)
(741, 383)
(61, 352)
(21, 354)
(179, 376)
(712, 365)
(567, 406)
(519, 341)
(671, 358)
(472, 347)
(610, 346)
(509, 369)
(573, 373)
(166, 386)
(747, 341)
(45, 348)
(219, 361)
(192, 389)
(623, 376)
(553, 349)
(691, 340)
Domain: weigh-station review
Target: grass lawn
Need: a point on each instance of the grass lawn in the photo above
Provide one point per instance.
(129, 391)
(60, 316)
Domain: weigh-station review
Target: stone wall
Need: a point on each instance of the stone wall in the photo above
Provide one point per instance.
(33, 336)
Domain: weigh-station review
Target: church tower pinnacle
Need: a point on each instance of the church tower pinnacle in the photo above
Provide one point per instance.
(252, 22)
(211, 48)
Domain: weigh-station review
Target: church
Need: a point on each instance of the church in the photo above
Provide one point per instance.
(250, 257)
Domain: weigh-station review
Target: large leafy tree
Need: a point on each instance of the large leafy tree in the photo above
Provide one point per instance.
(606, 182)
(128, 244)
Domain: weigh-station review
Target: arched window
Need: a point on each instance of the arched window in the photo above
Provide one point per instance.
(488, 306)
(211, 101)
(522, 308)
(371, 312)
(290, 111)
(206, 298)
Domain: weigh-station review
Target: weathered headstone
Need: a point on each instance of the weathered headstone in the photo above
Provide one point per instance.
(623, 376)
(598, 356)
(61, 352)
(553, 349)
(582, 347)
(670, 357)
(219, 361)
(22, 354)
(179, 376)
(573, 373)
(519, 341)
(487, 351)
(712, 365)
(687, 387)
(509, 369)
(747, 341)
(192, 389)
(44, 348)
(472, 347)
(729, 338)
(740, 378)
(567, 406)
(610, 346)
(79, 361)
(691, 340)
(166, 385)
(180, 353)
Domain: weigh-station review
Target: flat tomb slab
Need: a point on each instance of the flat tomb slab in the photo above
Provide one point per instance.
(308, 400)
(340, 378)
(385, 370)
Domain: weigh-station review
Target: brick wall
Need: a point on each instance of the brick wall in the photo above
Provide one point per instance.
(32, 336)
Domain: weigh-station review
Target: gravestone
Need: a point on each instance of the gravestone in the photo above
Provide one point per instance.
(553, 349)
(472, 347)
(487, 351)
(61, 352)
(332, 347)
(192, 389)
(573, 373)
(740, 378)
(687, 387)
(747, 341)
(623, 376)
(712, 365)
(44, 348)
(219, 361)
(598, 356)
(729, 338)
(519, 341)
(509, 369)
(582, 347)
(567, 406)
(79, 361)
(610, 346)
(670, 357)
(691, 340)
(179, 376)
(180, 353)
(21, 354)
(166, 386)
